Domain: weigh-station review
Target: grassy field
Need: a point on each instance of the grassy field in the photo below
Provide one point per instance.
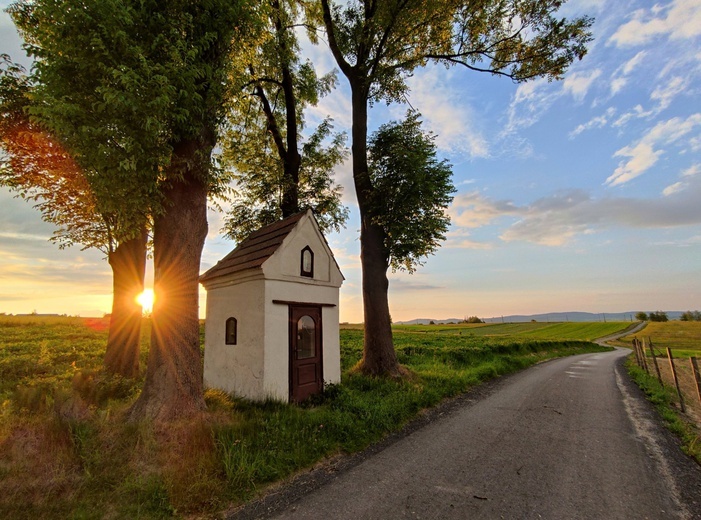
(683, 337)
(66, 453)
(530, 330)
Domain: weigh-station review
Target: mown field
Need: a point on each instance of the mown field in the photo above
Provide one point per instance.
(683, 337)
(65, 451)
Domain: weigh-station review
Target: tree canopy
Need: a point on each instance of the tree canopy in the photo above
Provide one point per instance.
(277, 172)
(411, 191)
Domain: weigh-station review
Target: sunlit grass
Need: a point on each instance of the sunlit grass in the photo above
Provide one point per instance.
(684, 337)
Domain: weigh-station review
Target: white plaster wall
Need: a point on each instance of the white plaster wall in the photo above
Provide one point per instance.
(277, 343)
(236, 368)
(277, 333)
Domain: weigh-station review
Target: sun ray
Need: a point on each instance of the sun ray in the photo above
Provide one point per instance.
(146, 299)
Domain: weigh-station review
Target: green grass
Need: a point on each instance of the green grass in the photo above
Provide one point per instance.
(56, 463)
(554, 331)
(664, 397)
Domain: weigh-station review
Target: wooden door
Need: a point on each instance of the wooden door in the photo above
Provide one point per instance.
(306, 375)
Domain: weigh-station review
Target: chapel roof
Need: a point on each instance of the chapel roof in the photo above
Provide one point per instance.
(255, 249)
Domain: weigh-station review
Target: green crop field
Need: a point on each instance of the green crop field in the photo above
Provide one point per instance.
(65, 451)
(551, 331)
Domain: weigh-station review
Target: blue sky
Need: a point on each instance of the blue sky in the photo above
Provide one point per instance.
(583, 194)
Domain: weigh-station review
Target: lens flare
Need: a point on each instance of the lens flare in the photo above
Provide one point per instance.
(146, 299)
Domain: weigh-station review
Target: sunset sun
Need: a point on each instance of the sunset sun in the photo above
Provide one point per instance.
(146, 299)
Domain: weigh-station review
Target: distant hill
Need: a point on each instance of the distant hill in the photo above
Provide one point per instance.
(547, 317)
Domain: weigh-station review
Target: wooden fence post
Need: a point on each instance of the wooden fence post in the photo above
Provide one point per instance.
(676, 381)
(654, 359)
(697, 378)
(641, 345)
(637, 352)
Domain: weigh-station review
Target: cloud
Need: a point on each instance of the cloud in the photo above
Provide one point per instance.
(620, 76)
(403, 285)
(686, 181)
(446, 113)
(579, 83)
(673, 188)
(471, 210)
(644, 154)
(637, 113)
(557, 219)
(692, 170)
(680, 19)
(664, 94)
(596, 122)
(461, 239)
(529, 103)
(534, 98)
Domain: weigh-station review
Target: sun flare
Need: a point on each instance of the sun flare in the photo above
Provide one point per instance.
(146, 299)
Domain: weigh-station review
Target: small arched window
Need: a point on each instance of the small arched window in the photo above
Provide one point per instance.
(231, 326)
(307, 262)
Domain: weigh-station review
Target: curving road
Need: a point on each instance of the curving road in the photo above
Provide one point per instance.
(570, 438)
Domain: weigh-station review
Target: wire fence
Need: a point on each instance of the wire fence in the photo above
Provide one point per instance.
(679, 372)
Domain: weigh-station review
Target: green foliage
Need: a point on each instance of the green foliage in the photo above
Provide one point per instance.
(664, 397)
(473, 319)
(658, 316)
(120, 83)
(276, 170)
(384, 41)
(641, 316)
(259, 176)
(690, 316)
(411, 191)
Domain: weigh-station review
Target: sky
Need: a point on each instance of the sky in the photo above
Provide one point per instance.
(577, 195)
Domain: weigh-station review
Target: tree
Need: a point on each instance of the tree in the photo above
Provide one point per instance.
(377, 44)
(145, 81)
(277, 174)
(473, 319)
(658, 316)
(412, 191)
(37, 167)
(690, 316)
(641, 316)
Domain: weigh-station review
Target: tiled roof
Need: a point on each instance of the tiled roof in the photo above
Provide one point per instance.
(254, 250)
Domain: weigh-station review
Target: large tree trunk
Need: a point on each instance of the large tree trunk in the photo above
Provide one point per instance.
(128, 262)
(379, 357)
(173, 386)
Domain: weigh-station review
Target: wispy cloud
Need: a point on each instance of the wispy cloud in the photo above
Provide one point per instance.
(595, 122)
(680, 19)
(621, 75)
(645, 153)
(579, 83)
(447, 115)
(664, 94)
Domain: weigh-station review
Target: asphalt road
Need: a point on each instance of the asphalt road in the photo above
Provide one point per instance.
(570, 438)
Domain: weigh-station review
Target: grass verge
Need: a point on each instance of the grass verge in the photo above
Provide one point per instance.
(663, 397)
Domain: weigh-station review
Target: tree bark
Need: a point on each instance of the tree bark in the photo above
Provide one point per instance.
(173, 388)
(379, 356)
(128, 262)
